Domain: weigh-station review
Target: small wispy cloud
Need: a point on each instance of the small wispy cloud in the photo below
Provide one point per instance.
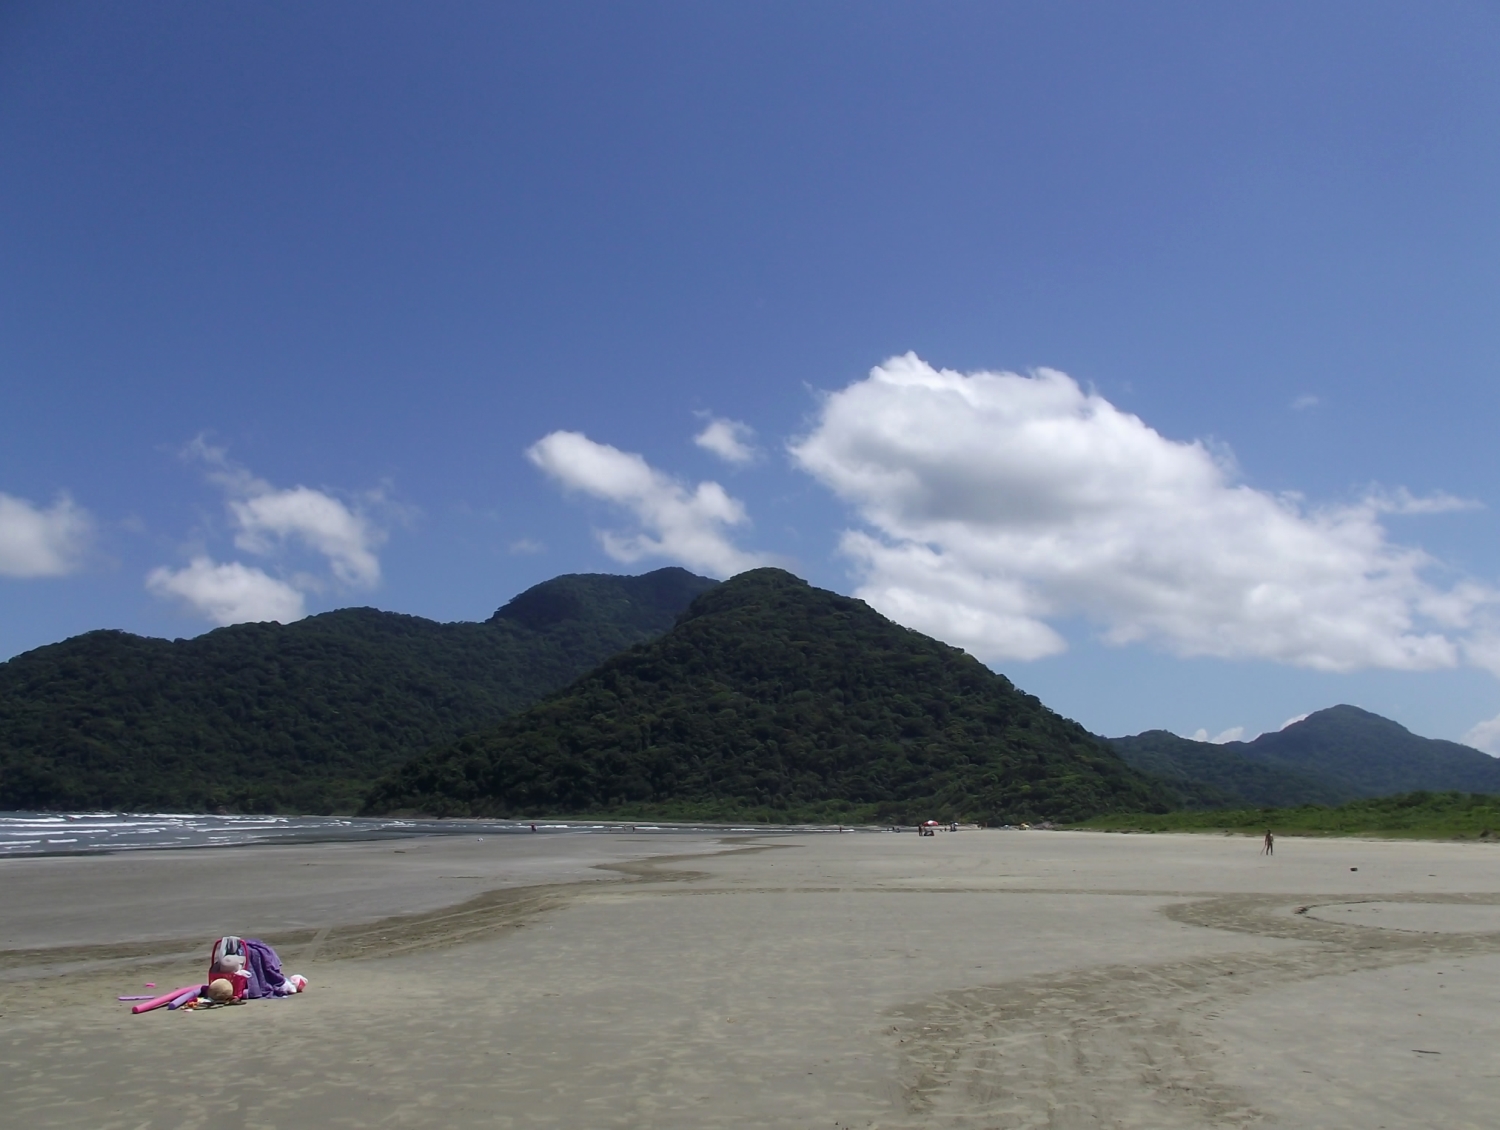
(676, 522)
(267, 521)
(229, 593)
(1305, 401)
(526, 546)
(266, 517)
(731, 440)
(38, 541)
(1402, 501)
(321, 522)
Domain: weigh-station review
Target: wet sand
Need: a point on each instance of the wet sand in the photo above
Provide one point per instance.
(977, 979)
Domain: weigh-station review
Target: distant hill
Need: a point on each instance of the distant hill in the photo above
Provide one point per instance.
(1335, 755)
(777, 700)
(1219, 776)
(303, 716)
(1374, 756)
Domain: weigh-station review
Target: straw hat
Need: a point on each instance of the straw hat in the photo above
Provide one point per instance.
(221, 991)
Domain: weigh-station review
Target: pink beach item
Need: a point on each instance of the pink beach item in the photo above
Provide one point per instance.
(190, 995)
(163, 1000)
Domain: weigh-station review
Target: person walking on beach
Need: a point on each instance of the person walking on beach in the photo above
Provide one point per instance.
(1270, 848)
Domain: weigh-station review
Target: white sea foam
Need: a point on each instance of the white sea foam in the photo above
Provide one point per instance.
(41, 833)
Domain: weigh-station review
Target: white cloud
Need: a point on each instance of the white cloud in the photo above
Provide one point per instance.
(1233, 734)
(676, 523)
(1402, 501)
(266, 520)
(1485, 736)
(1304, 402)
(266, 517)
(1291, 722)
(730, 440)
(323, 523)
(922, 587)
(41, 543)
(1483, 649)
(998, 504)
(527, 546)
(228, 594)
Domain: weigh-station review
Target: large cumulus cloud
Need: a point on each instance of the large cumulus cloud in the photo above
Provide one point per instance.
(996, 505)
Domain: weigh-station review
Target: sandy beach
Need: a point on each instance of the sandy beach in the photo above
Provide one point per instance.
(972, 979)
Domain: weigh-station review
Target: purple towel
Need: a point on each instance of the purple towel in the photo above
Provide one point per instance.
(264, 967)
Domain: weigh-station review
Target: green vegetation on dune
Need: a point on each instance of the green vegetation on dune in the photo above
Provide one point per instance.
(776, 700)
(1418, 815)
(300, 717)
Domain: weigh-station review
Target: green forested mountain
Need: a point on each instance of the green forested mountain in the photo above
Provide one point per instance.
(1218, 776)
(1335, 755)
(1373, 756)
(303, 716)
(770, 699)
(777, 700)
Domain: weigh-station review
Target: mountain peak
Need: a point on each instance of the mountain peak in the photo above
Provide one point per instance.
(1345, 715)
(308, 713)
(650, 601)
(767, 585)
(773, 699)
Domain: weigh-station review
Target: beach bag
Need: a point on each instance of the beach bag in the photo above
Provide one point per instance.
(262, 967)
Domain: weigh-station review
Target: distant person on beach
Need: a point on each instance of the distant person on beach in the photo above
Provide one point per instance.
(1270, 848)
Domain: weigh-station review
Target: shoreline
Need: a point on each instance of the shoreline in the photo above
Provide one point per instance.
(142, 897)
(108, 833)
(193, 832)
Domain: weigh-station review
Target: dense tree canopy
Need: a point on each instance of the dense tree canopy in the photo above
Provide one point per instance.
(298, 717)
(1216, 776)
(774, 699)
(1329, 757)
(1372, 756)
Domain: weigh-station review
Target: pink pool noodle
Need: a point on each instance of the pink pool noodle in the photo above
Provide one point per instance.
(164, 999)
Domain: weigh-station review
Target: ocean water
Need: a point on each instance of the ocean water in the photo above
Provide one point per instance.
(69, 833)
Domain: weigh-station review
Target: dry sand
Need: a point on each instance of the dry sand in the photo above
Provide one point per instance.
(977, 979)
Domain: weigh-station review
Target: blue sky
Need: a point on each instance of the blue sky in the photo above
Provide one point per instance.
(1146, 351)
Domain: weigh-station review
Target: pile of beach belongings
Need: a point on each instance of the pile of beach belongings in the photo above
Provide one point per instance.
(239, 969)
